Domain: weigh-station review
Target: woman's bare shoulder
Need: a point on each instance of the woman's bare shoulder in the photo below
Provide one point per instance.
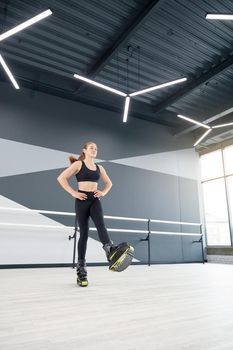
(101, 168)
(73, 169)
(78, 162)
(76, 165)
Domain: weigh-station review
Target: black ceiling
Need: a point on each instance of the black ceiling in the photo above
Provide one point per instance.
(128, 45)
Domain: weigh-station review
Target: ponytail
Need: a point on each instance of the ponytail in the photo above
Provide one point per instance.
(72, 159)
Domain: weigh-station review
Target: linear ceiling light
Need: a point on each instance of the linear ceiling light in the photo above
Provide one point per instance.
(202, 137)
(219, 16)
(100, 85)
(206, 126)
(127, 101)
(158, 87)
(220, 126)
(25, 24)
(8, 72)
(193, 121)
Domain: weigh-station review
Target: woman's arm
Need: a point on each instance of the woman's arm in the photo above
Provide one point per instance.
(106, 180)
(62, 178)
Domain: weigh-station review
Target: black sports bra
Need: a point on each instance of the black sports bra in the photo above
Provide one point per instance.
(86, 174)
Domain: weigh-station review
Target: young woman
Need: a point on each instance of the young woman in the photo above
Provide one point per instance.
(88, 204)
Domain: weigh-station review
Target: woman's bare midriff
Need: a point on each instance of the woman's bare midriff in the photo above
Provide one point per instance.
(87, 186)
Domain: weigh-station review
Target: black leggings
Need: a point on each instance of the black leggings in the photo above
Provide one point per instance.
(84, 209)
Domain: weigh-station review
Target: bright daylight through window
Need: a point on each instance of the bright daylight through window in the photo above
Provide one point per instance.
(217, 186)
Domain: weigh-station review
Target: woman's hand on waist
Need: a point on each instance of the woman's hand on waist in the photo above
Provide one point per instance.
(99, 194)
(80, 195)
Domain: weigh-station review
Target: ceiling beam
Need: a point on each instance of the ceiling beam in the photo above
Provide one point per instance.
(3, 12)
(125, 34)
(189, 87)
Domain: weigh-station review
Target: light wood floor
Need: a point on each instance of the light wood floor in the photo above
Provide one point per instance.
(162, 307)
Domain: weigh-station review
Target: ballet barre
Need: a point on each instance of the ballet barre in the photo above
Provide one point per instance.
(123, 218)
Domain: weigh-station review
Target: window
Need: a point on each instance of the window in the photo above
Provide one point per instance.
(211, 165)
(216, 215)
(217, 188)
(230, 195)
(228, 160)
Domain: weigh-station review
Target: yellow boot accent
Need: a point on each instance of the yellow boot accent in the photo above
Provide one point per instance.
(84, 284)
(130, 247)
(119, 261)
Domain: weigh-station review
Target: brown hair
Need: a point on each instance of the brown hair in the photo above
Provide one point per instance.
(73, 159)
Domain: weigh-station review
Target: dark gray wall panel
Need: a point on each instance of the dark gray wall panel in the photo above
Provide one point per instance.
(36, 119)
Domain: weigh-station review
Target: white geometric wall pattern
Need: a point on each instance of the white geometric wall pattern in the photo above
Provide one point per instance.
(22, 158)
(40, 245)
(182, 163)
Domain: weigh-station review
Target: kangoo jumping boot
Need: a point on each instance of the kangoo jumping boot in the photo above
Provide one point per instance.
(120, 256)
(82, 273)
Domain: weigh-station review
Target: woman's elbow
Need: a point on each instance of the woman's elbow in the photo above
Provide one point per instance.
(59, 178)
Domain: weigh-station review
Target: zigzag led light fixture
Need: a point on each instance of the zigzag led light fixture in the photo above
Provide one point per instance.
(210, 128)
(15, 30)
(128, 96)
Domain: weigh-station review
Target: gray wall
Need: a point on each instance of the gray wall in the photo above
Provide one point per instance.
(154, 175)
